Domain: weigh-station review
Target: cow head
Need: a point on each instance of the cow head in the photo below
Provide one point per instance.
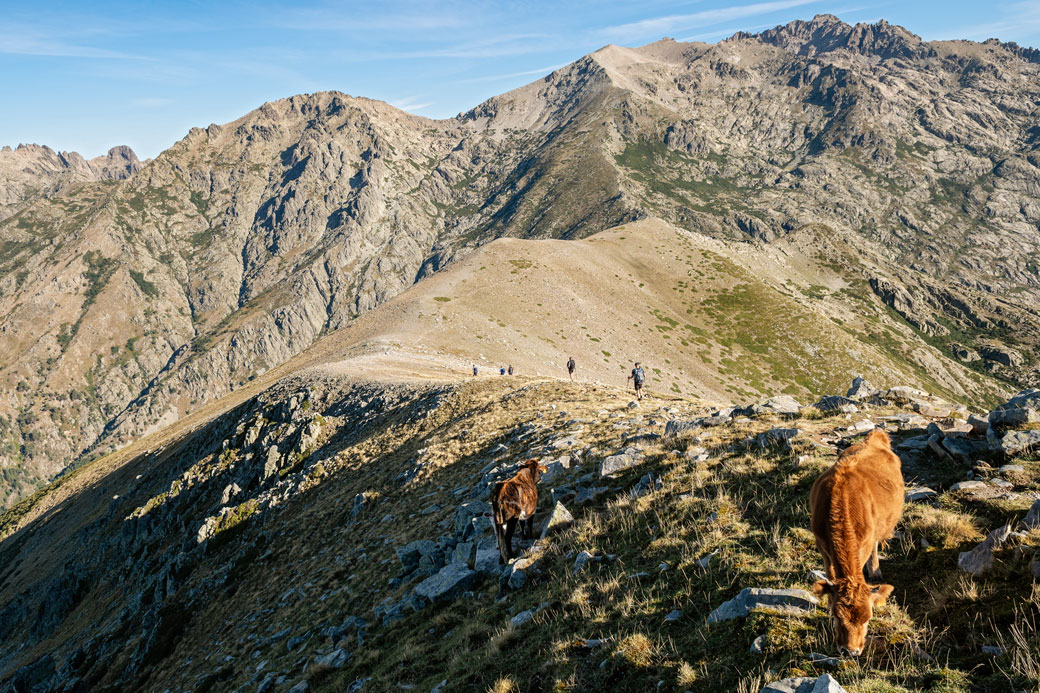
(852, 605)
(537, 469)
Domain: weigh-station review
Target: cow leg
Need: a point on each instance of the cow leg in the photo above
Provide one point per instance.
(524, 530)
(827, 570)
(503, 551)
(510, 528)
(530, 527)
(874, 565)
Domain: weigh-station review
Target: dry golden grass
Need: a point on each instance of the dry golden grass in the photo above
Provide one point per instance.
(686, 674)
(504, 685)
(637, 649)
(947, 529)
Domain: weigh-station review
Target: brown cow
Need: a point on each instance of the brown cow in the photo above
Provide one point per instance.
(856, 504)
(515, 501)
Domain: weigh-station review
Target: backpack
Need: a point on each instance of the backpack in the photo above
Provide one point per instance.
(638, 376)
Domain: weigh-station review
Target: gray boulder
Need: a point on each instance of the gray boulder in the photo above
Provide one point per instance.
(962, 449)
(413, 552)
(1032, 518)
(801, 684)
(647, 484)
(447, 584)
(861, 389)
(836, 403)
(979, 424)
(861, 427)
(776, 438)
(933, 411)
(626, 459)
(467, 511)
(980, 558)
(903, 394)
(486, 562)
(1021, 409)
(581, 561)
(722, 416)
(465, 552)
(918, 493)
(782, 405)
(793, 601)
(520, 571)
(674, 429)
(1015, 443)
(558, 519)
(480, 526)
(336, 659)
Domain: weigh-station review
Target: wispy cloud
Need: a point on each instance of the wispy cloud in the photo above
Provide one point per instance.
(661, 26)
(499, 46)
(150, 102)
(410, 104)
(347, 21)
(510, 75)
(27, 44)
(1021, 21)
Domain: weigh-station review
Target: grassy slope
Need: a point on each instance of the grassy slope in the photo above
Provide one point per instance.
(710, 319)
(339, 567)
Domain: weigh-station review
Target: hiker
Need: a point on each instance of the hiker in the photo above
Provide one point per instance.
(510, 370)
(570, 367)
(474, 369)
(501, 370)
(637, 377)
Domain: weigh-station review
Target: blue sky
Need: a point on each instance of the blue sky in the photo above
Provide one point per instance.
(87, 76)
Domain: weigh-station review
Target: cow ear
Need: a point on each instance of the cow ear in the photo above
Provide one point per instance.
(880, 593)
(822, 587)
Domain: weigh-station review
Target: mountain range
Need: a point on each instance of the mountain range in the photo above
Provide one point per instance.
(251, 408)
(904, 175)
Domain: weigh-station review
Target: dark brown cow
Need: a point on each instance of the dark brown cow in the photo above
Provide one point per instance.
(515, 501)
(855, 505)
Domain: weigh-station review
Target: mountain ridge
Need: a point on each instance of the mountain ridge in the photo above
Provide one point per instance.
(243, 243)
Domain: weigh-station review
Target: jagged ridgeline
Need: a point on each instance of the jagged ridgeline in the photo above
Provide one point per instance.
(906, 170)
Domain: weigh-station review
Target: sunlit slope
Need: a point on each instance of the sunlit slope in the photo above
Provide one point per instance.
(708, 318)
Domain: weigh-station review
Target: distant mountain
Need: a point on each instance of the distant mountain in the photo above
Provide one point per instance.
(30, 171)
(909, 169)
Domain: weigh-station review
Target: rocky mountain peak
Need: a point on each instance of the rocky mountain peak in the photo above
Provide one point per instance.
(826, 33)
(118, 164)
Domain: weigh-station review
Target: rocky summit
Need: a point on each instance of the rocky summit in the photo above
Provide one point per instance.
(251, 406)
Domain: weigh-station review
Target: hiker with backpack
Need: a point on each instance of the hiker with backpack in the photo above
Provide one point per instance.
(638, 377)
(570, 367)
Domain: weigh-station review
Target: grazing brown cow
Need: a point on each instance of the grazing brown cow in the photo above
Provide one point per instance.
(856, 504)
(515, 501)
